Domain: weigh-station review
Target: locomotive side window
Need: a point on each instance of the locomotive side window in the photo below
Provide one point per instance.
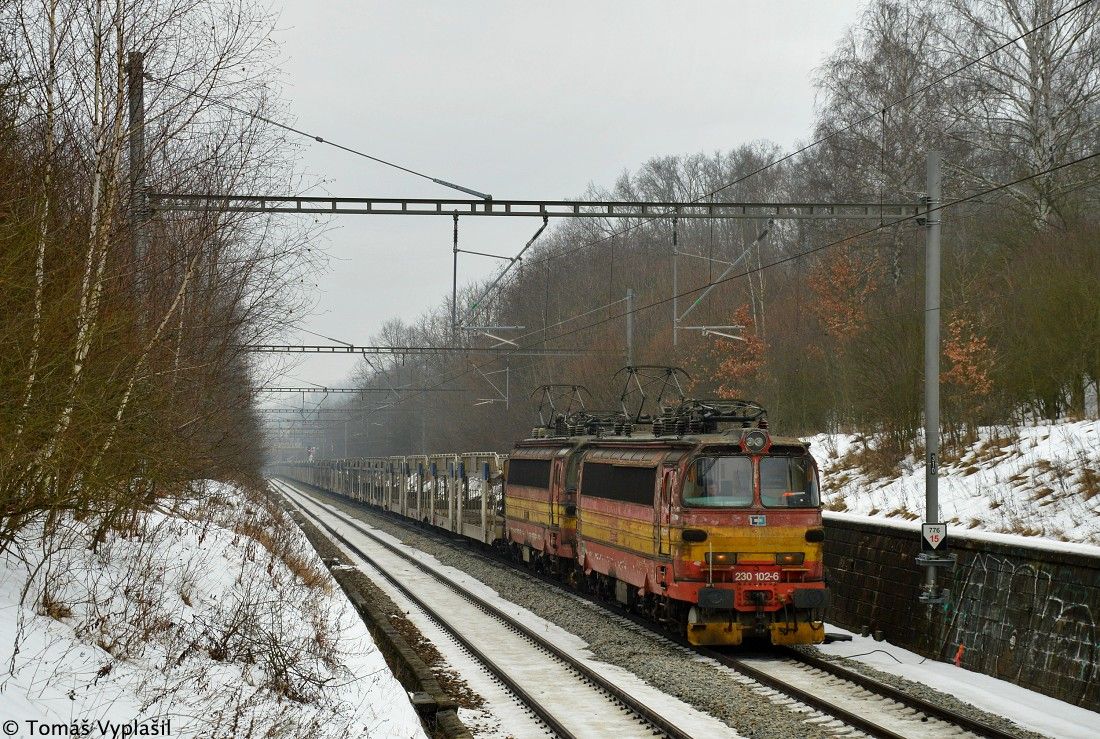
(531, 472)
(719, 482)
(788, 482)
(628, 484)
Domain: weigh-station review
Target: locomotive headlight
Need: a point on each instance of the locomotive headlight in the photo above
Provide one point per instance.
(720, 558)
(790, 558)
(755, 441)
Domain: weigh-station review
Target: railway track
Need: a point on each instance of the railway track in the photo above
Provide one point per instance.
(567, 696)
(866, 705)
(872, 707)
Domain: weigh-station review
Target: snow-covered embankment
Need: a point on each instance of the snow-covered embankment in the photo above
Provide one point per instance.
(216, 617)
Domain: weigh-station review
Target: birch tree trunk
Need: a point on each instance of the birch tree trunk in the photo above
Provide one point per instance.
(44, 215)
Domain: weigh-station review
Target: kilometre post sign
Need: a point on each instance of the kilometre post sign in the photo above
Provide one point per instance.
(933, 536)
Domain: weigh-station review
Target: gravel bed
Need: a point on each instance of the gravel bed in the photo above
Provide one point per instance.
(699, 682)
(673, 669)
(927, 693)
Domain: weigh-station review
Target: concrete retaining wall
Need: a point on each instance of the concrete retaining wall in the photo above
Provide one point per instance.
(1021, 612)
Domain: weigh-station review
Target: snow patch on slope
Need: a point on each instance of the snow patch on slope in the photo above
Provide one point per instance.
(216, 615)
(1037, 481)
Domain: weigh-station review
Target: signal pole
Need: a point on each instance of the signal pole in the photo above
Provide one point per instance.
(454, 284)
(630, 327)
(675, 286)
(933, 533)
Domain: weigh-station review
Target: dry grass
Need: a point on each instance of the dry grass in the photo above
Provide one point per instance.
(1041, 493)
(312, 577)
(835, 482)
(994, 448)
(881, 462)
(1089, 480)
(1025, 530)
(49, 605)
(903, 512)
(1044, 465)
(271, 534)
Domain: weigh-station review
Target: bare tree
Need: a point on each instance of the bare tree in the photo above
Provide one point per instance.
(122, 396)
(1031, 105)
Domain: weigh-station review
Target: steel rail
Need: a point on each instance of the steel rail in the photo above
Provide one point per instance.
(802, 695)
(655, 719)
(868, 683)
(487, 662)
(877, 686)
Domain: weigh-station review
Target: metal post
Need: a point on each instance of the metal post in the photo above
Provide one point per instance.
(403, 485)
(451, 495)
(454, 284)
(345, 439)
(135, 83)
(675, 287)
(630, 327)
(932, 355)
(485, 537)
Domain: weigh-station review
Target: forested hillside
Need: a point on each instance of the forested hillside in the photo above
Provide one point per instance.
(125, 580)
(121, 375)
(831, 312)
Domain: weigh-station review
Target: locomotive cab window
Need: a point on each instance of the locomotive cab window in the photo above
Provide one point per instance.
(788, 482)
(719, 482)
(614, 482)
(530, 472)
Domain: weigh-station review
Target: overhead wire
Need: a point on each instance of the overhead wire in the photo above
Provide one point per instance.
(843, 240)
(318, 139)
(822, 139)
(880, 112)
(793, 257)
(568, 251)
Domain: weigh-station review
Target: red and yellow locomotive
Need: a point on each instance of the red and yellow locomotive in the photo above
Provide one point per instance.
(717, 532)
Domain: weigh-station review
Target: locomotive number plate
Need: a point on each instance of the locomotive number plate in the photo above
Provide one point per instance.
(756, 576)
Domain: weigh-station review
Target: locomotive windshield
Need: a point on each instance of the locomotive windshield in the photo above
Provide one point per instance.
(727, 482)
(719, 482)
(788, 482)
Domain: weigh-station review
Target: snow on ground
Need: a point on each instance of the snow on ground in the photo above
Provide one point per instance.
(1031, 710)
(216, 617)
(1036, 481)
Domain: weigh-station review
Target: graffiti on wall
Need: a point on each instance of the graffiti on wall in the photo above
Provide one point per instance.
(1019, 618)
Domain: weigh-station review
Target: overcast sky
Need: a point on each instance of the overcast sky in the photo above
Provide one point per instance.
(520, 100)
